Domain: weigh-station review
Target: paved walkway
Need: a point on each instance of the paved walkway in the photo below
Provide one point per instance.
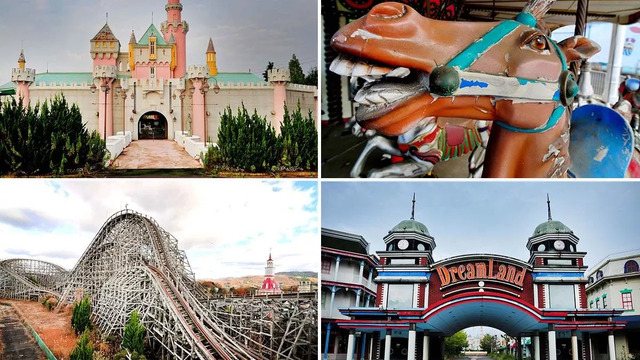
(17, 343)
(155, 154)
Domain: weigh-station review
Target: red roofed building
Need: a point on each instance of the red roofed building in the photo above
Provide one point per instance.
(269, 285)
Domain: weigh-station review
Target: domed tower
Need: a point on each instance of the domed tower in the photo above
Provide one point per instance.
(23, 77)
(174, 25)
(404, 265)
(211, 59)
(558, 269)
(269, 284)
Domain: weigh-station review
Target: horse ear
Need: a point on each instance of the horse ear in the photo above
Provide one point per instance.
(578, 48)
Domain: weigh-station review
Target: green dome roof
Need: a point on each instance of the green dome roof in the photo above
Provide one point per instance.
(410, 226)
(551, 227)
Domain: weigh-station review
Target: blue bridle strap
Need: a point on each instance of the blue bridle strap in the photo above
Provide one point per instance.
(473, 52)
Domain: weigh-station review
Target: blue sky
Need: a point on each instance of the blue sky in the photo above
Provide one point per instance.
(226, 227)
(490, 216)
(246, 33)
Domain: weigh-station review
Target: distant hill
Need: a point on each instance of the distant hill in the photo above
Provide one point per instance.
(284, 279)
(309, 274)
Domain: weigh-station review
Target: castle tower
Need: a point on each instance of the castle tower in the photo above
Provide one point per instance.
(269, 285)
(174, 25)
(279, 78)
(23, 77)
(132, 43)
(211, 59)
(105, 48)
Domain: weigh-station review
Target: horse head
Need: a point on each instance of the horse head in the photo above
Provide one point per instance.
(509, 72)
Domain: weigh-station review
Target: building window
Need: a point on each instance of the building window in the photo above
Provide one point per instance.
(152, 71)
(324, 300)
(599, 275)
(111, 44)
(562, 297)
(399, 296)
(326, 266)
(591, 304)
(604, 301)
(630, 266)
(590, 279)
(627, 302)
(597, 303)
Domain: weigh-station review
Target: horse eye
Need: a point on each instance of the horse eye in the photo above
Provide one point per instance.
(539, 43)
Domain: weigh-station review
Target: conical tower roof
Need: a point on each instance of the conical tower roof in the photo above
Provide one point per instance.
(210, 47)
(21, 58)
(105, 34)
(132, 39)
(551, 226)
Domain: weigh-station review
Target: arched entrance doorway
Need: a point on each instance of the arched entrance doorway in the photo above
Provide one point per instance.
(152, 125)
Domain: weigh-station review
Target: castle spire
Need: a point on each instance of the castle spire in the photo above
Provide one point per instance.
(548, 207)
(413, 206)
(21, 59)
(211, 59)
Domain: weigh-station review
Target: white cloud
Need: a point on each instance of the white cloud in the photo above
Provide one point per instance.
(226, 226)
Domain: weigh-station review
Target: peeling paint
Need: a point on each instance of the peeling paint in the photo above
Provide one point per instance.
(602, 153)
(365, 34)
(553, 151)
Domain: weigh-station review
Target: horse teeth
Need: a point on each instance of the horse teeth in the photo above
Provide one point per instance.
(375, 98)
(342, 66)
(399, 72)
(391, 95)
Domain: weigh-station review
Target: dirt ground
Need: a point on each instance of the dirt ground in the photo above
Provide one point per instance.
(53, 327)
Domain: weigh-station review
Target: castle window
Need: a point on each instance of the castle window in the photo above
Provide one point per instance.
(97, 44)
(627, 301)
(111, 44)
(152, 72)
(630, 266)
(104, 44)
(163, 52)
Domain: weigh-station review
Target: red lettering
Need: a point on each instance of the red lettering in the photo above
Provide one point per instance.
(444, 276)
(519, 278)
(453, 270)
(511, 273)
(471, 272)
(490, 273)
(481, 271)
(502, 272)
(461, 272)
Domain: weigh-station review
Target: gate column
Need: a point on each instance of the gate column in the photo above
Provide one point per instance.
(387, 345)
(425, 345)
(552, 342)
(612, 346)
(574, 345)
(411, 351)
(536, 346)
(351, 344)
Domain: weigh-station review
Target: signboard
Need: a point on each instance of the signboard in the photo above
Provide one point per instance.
(482, 270)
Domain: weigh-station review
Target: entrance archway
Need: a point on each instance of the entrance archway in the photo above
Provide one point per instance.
(153, 125)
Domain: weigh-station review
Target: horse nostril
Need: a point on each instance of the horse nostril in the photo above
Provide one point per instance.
(388, 11)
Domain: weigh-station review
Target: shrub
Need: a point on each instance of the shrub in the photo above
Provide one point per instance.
(299, 139)
(247, 142)
(81, 315)
(134, 332)
(212, 159)
(83, 349)
(47, 139)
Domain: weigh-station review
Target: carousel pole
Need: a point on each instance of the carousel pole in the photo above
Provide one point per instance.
(581, 25)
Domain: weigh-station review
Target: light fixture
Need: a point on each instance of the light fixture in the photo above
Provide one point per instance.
(93, 88)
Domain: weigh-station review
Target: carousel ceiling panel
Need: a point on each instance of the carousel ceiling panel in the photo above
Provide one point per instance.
(562, 12)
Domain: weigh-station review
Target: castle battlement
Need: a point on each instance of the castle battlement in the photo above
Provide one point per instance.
(54, 85)
(105, 71)
(301, 87)
(18, 74)
(198, 72)
(278, 75)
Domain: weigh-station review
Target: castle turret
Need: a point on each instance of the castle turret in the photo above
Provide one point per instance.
(105, 48)
(132, 42)
(178, 28)
(211, 59)
(23, 77)
(279, 78)
(269, 285)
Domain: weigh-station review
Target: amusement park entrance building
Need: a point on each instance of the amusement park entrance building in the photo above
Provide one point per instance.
(419, 301)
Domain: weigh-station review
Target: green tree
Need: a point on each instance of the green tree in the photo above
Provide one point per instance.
(299, 139)
(81, 315)
(295, 71)
(83, 349)
(47, 139)
(312, 77)
(247, 142)
(454, 344)
(488, 343)
(265, 73)
(134, 332)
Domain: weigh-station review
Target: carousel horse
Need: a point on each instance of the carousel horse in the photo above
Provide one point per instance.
(509, 72)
